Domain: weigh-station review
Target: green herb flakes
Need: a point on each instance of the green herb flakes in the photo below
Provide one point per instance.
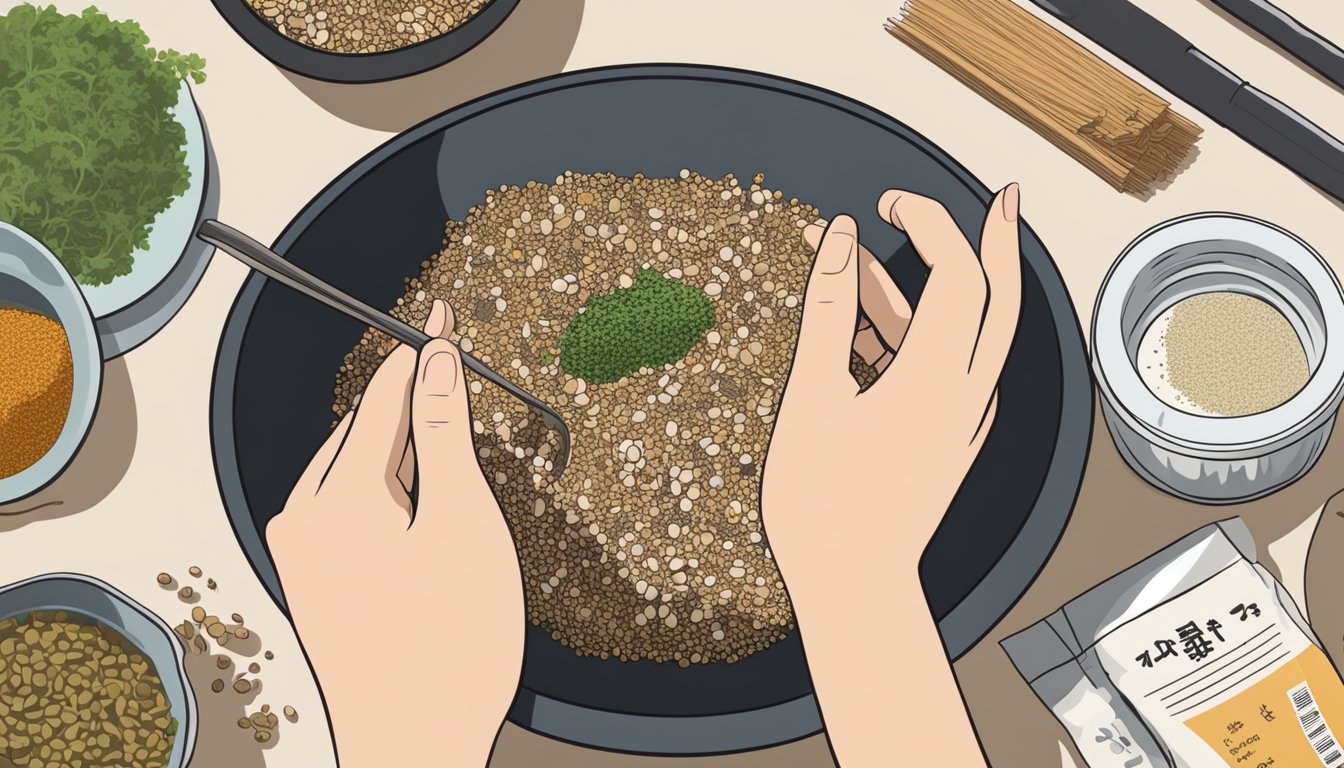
(652, 323)
(89, 153)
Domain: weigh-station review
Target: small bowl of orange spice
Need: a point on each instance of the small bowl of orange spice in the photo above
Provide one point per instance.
(51, 366)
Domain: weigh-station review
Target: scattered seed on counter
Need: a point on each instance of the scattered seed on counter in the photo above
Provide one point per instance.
(164, 579)
(186, 593)
(663, 445)
(194, 571)
(197, 640)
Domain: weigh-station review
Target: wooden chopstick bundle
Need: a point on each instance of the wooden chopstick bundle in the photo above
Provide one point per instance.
(1123, 132)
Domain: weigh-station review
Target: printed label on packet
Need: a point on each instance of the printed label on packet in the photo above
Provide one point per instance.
(1200, 658)
(1289, 719)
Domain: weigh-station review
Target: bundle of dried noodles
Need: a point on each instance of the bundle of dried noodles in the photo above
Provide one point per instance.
(1123, 132)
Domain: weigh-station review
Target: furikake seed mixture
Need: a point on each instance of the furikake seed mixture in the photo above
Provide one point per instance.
(650, 545)
(1233, 354)
(364, 26)
(76, 692)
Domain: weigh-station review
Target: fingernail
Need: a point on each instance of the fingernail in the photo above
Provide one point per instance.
(838, 246)
(441, 373)
(438, 315)
(886, 206)
(1011, 199)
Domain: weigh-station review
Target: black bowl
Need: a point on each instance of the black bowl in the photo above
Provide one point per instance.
(374, 225)
(362, 67)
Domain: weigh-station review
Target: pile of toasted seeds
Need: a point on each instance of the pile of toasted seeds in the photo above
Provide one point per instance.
(196, 634)
(364, 26)
(1232, 355)
(650, 545)
(74, 692)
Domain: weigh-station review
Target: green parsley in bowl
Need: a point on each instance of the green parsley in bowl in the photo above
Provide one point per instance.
(102, 154)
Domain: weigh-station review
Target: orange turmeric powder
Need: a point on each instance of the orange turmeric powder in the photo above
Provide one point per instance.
(36, 383)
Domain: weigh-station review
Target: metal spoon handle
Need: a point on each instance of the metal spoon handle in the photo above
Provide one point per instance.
(271, 264)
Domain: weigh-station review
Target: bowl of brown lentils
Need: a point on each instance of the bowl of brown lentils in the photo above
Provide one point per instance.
(89, 677)
(363, 41)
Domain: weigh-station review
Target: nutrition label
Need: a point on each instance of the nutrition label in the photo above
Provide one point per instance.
(1288, 719)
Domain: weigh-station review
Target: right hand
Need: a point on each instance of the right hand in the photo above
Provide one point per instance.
(856, 483)
(906, 442)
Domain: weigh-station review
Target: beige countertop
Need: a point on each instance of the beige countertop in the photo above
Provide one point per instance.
(141, 497)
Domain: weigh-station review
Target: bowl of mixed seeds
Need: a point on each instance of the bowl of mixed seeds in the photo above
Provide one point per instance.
(363, 41)
(640, 268)
(89, 677)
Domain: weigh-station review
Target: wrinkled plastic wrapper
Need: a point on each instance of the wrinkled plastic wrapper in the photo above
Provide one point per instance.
(1195, 657)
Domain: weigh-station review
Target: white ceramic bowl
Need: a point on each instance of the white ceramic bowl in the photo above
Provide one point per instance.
(1205, 458)
(32, 278)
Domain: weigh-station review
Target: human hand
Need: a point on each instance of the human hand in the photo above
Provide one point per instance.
(890, 458)
(856, 482)
(411, 614)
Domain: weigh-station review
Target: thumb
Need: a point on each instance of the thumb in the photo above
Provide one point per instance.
(830, 306)
(440, 416)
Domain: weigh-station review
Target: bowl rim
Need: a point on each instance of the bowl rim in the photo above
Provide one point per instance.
(1029, 549)
(1228, 437)
(85, 395)
(377, 67)
(188, 723)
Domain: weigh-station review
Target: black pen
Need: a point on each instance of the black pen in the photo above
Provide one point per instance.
(1291, 35)
(1174, 63)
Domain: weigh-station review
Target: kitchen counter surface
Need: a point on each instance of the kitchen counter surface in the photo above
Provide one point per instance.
(141, 497)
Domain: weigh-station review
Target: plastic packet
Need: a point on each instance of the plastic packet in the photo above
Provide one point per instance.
(1195, 657)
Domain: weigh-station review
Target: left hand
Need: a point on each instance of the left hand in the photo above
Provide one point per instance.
(412, 615)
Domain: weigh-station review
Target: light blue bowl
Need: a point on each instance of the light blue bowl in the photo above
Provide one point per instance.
(32, 278)
(133, 307)
(90, 598)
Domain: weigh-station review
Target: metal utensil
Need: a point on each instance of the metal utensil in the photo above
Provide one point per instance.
(271, 264)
